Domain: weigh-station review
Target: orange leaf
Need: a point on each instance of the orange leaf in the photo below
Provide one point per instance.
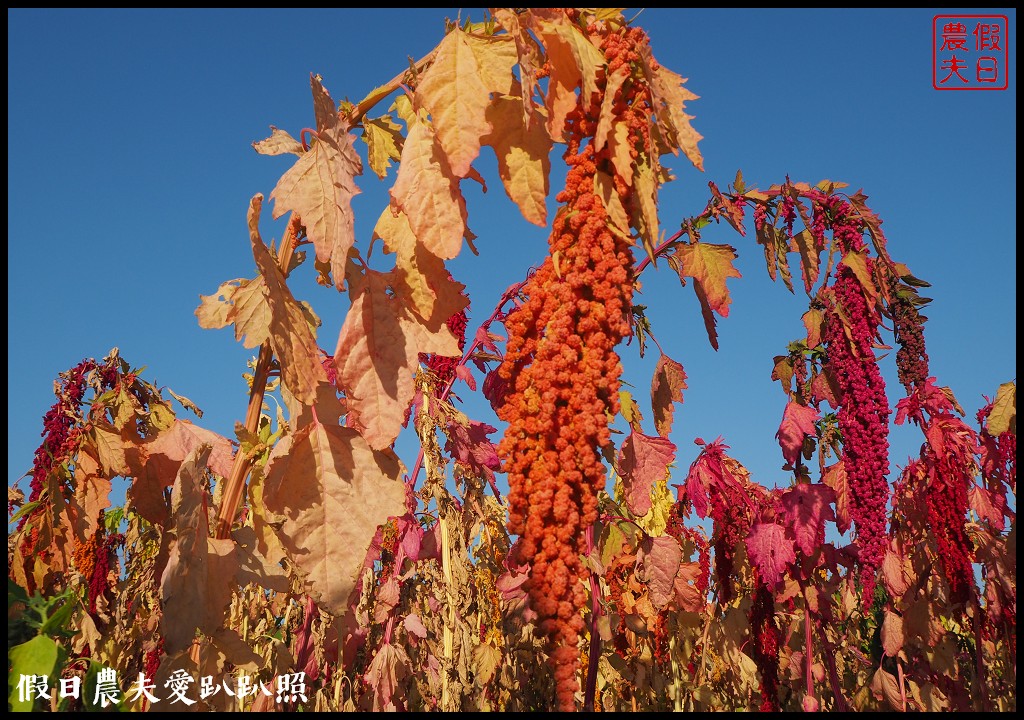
(857, 262)
(686, 589)
(574, 61)
(330, 492)
(645, 214)
(524, 157)
(109, 449)
(239, 302)
(378, 354)
(320, 186)
(528, 56)
(425, 283)
(456, 91)
(604, 122)
(810, 258)
(604, 187)
(733, 212)
(328, 406)
(428, 193)
(835, 477)
(667, 387)
(893, 574)
(892, 633)
(669, 98)
(884, 684)
(155, 464)
(291, 338)
(92, 492)
(710, 266)
(812, 321)
(658, 562)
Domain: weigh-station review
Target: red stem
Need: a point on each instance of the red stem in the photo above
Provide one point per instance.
(658, 250)
(829, 657)
(302, 137)
(809, 649)
(389, 629)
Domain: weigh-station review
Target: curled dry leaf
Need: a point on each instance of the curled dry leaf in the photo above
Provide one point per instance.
(667, 387)
(291, 337)
(197, 582)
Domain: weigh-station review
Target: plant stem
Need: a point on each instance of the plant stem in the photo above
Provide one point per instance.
(378, 94)
(809, 647)
(235, 486)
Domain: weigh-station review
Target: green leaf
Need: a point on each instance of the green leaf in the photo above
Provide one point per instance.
(22, 511)
(56, 623)
(15, 593)
(38, 656)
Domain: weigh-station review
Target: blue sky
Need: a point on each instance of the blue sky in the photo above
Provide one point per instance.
(130, 168)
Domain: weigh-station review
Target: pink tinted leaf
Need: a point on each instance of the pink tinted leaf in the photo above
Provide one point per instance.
(329, 490)
(495, 388)
(989, 506)
(414, 626)
(466, 375)
(706, 473)
(412, 540)
(470, 446)
(510, 585)
(659, 559)
(770, 551)
(155, 464)
(893, 575)
(382, 676)
(196, 584)
(797, 423)
(378, 355)
(643, 460)
(808, 508)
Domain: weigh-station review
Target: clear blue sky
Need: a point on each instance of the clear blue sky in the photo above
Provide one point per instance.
(130, 169)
